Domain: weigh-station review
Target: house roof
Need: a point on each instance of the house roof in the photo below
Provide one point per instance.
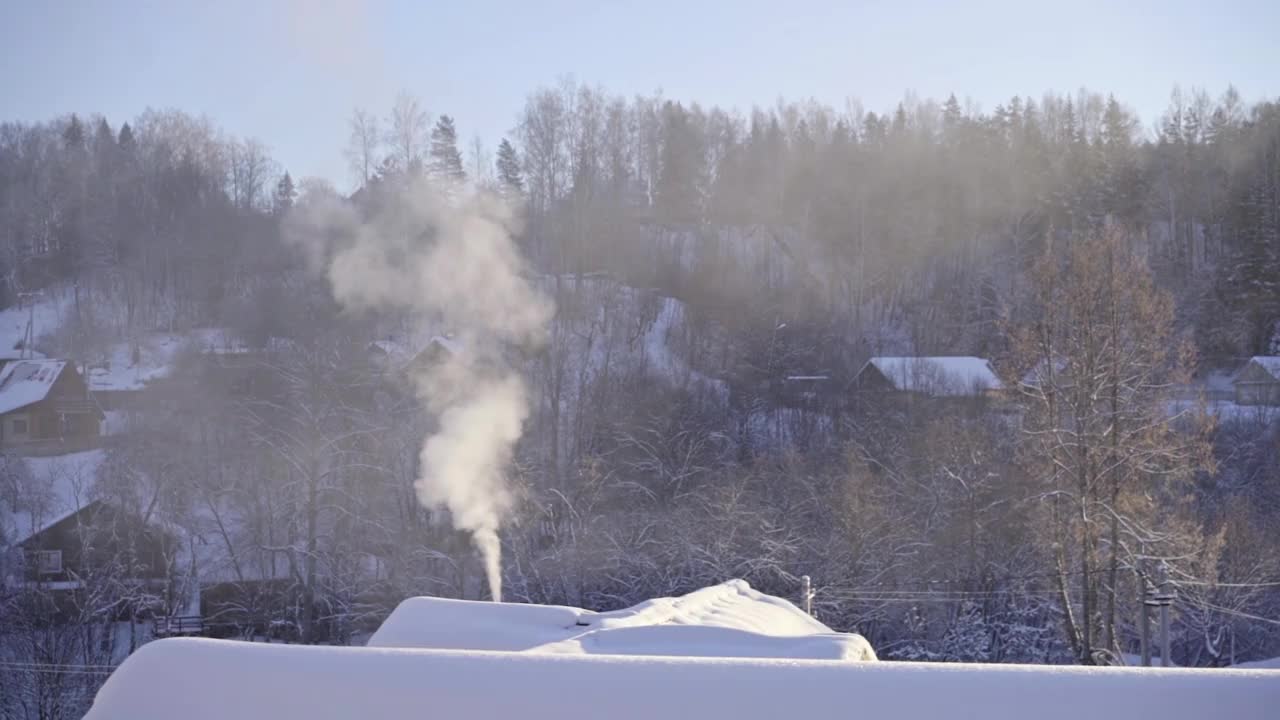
(726, 620)
(937, 375)
(1269, 363)
(55, 488)
(26, 382)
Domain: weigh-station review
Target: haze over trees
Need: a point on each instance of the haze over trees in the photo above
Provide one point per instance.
(720, 277)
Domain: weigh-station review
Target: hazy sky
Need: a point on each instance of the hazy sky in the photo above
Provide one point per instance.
(289, 72)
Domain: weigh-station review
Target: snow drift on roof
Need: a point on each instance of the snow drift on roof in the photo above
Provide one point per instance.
(27, 382)
(198, 679)
(938, 375)
(726, 620)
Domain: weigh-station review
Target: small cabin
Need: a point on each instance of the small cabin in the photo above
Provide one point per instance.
(45, 405)
(1258, 382)
(91, 539)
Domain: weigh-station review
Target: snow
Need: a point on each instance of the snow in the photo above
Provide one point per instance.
(119, 372)
(48, 313)
(60, 485)
(1269, 363)
(25, 382)
(938, 375)
(426, 622)
(282, 682)
(726, 620)
(1225, 410)
(218, 341)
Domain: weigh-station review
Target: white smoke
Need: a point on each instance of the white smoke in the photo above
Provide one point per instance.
(456, 264)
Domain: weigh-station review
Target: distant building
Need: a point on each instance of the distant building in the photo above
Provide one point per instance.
(1258, 382)
(45, 407)
(91, 538)
(928, 376)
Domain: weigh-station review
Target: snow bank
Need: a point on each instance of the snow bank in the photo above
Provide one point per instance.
(425, 622)
(726, 620)
(197, 679)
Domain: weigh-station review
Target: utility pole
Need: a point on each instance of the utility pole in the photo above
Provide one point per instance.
(30, 337)
(1145, 618)
(806, 594)
(1162, 598)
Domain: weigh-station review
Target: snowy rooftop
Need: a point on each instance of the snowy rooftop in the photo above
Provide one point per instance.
(283, 682)
(938, 375)
(53, 488)
(1269, 363)
(726, 620)
(25, 382)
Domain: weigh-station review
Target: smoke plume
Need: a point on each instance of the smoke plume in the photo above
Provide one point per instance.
(457, 265)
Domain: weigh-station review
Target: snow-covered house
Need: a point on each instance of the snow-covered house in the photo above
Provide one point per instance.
(928, 376)
(45, 406)
(1258, 382)
(726, 620)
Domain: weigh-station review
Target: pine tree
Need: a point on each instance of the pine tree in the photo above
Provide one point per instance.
(510, 177)
(126, 139)
(445, 163)
(73, 135)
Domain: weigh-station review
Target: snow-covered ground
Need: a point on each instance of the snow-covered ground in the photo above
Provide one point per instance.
(120, 370)
(726, 620)
(50, 309)
(196, 679)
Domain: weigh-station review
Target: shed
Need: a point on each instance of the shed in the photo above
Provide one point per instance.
(1258, 382)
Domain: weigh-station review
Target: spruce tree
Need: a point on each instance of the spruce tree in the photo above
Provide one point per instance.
(510, 178)
(445, 163)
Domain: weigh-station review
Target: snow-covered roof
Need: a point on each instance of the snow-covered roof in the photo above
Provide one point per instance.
(937, 375)
(1269, 363)
(54, 488)
(26, 382)
(448, 343)
(726, 620)
(202, 679)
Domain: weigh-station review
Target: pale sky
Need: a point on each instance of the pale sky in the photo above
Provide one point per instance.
(289, 72)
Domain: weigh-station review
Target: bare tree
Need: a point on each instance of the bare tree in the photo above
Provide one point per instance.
(363, 145)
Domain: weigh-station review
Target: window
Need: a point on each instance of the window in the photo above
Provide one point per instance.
(19, 427)
(49, 562)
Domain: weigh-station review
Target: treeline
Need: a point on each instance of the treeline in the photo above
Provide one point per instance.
(799, 240)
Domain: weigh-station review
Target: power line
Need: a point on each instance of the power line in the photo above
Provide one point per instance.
(1237, 613)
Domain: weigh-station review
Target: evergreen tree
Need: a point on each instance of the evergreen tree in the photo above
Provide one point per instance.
(126, 140)
(510, 177)
(73, 135)
(445, 163)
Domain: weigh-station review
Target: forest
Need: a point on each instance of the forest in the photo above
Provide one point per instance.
(719, 278)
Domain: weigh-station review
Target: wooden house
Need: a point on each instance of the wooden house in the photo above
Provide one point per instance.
(96, 539)
(1258, 382)
(45, 407)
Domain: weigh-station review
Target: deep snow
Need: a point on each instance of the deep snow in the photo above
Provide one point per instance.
(197, 679)
(726, 620)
